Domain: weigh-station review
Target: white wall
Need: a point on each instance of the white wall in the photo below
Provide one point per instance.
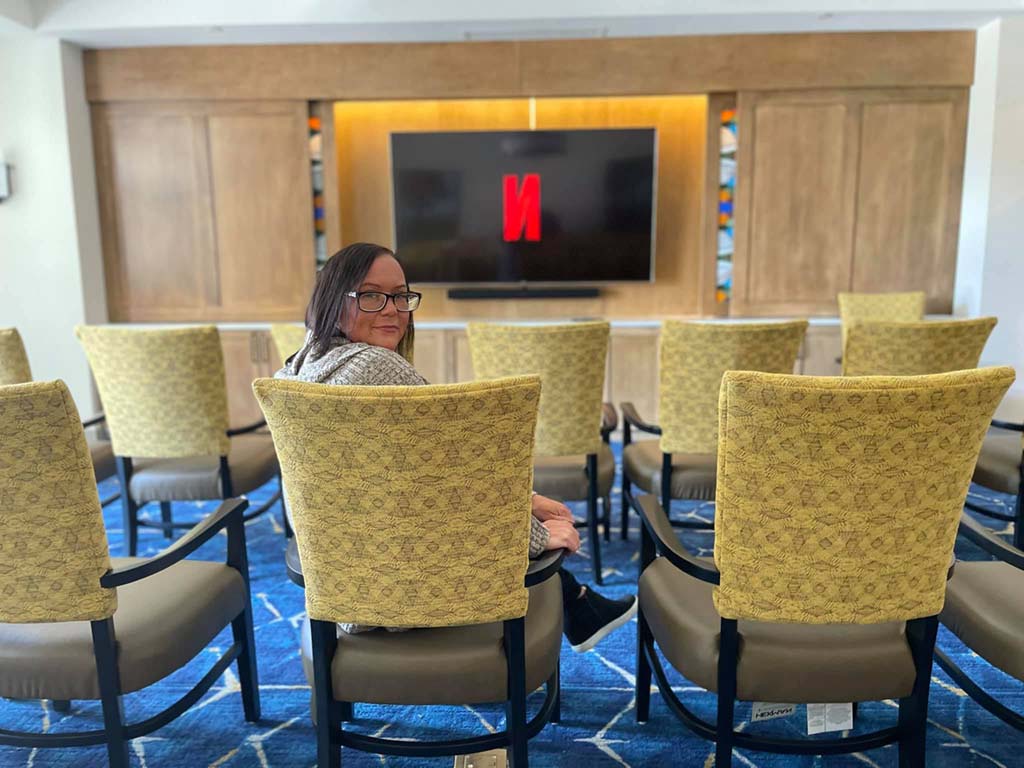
(51, 272)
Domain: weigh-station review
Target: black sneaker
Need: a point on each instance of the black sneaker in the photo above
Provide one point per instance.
(589, 618)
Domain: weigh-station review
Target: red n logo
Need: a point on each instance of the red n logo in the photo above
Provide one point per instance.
(521, 207)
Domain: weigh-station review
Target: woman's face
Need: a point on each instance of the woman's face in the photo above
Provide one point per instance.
(387, 327)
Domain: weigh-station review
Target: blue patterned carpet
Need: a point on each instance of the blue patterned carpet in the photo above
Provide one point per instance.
(598, 727)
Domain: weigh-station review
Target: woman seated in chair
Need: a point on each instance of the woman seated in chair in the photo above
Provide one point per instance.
(360, 332)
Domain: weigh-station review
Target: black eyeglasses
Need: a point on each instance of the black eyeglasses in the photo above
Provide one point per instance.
(375, 301)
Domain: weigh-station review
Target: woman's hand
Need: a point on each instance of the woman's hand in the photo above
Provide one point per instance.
(545, 509)
(562, 534)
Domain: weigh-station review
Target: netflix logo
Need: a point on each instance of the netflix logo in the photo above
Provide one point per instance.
(521, 207)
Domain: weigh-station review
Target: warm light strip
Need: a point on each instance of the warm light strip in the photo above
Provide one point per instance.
(533, 113)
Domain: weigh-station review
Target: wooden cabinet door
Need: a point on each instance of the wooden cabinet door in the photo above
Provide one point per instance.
(263, 208)
(157, 224)
(243, 361)
(908, 196)
(430, 355)
(797, 166)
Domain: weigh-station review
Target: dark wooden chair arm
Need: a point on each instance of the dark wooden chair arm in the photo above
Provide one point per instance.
(609, 421)
(978, 534)
(97, 419)
(228, 512)
(631, 417)
(544, 567)
(247, 429)
(667, 542)
(1010, 425)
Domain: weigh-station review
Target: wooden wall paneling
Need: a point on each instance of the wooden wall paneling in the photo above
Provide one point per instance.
(634, 369)
(602, 67)
(156, 223)
(461, 360)
(431, 355)
(795, 206)
(910, 185)
(244, 360)
(324, 110)
(821, 351)
(264, 212)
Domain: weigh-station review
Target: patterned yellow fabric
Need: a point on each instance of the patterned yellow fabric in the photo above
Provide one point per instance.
(693, 358)
(411, 505)
(53, 548)
(864, 307)
(288, 338)
(14, 368)
(915, 349)
(839, 499)
(570, 360)
(163, 391)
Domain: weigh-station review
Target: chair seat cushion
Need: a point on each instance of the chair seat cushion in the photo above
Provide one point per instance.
(161, 623)
(252, 461)
(102, 458)
(448, 665)
(796, 663)
(565, 477)
(985, 610)
(693, 474)
(998, 464)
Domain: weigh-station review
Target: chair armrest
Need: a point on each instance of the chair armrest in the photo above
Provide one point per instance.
(631, 417)
(247, 429)
(227, 513)
(293, 564)
(97, 419)
(667, 542)
(984, 538)
(609, 421)
(1010, 425)
(544, 567)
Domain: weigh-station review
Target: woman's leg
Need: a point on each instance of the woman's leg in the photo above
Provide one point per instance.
(590, 616)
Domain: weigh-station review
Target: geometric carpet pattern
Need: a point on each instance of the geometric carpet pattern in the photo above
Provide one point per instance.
(598, 725)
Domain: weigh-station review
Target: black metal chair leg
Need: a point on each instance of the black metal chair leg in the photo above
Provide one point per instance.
(105, 649)
(324, 636)
(606, 507)
(625, 507)
(913, 715)
(60, 705)
(1018, 513)
(728, 655)
(129, 508)
(248, 677)
(556, 710)
(346, 711)
(167, 519)
(515, 707)
(643, 670)
(595, 541)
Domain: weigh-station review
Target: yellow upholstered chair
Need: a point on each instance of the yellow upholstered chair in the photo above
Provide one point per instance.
(288, 338)
(693, 357)
(411, 508)
(167, 410)
(888, 348)
(866, 307)
(61, 605)
(572, 460)
(15, 369)
(838, 503)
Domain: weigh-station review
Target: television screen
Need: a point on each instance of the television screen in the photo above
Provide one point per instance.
(524, 206)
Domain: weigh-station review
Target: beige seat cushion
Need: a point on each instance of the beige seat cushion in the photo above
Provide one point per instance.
(985, 609)
(693, 475)
(102, 458)
(448, 665)
(252, 461)
(998, 464)
(565, 477)
(778, 662)
(161, 623)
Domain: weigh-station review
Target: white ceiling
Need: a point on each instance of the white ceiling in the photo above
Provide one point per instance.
(116, 23)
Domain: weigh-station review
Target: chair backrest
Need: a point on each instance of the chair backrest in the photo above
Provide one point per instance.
(905, 307)
(14, 367)
(54, 546)
(693, 357)
(163, 391)
(411, 505)
(915, 349)
(838, 499)
(569, 358)
(288, 338)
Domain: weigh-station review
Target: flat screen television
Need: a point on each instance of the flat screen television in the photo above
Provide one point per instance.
(499, 207)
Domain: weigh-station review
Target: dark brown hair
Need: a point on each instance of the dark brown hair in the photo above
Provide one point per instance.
(345, 271)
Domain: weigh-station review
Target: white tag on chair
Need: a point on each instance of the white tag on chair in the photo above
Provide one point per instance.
(766, 710)
(822, 718)
(494, 758)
